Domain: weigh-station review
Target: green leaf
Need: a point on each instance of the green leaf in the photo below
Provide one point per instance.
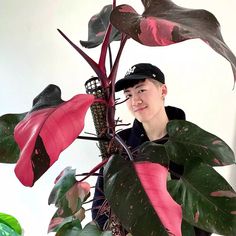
(128, 199)
(70, 229)
(187, 229)
(97, 27)
(6, 230)
(75, 229)
(9, 151)
(92, 230)
(11, 222)
(188, 141)
(153, 152)
(207, 200)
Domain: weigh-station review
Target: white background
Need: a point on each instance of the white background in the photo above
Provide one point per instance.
(33, 55)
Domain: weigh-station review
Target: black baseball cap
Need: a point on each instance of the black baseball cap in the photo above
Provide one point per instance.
(138, 72)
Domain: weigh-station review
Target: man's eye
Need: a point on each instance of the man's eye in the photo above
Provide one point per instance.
(128, 96)
(141, 91)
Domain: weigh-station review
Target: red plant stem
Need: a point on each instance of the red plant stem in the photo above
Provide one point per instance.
(97, 167)
(111, 92)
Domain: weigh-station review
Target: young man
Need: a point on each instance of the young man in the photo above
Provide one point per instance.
(145, 90)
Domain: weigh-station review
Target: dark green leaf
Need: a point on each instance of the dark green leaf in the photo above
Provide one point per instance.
(188, 141)
(49, 97)
(70, 229)
(74, 229)
(207, 200)
(153, 152)
(97, 27)
(11, 222)
(187, 229)
(9, 151)
(128, 199)
(92, 230)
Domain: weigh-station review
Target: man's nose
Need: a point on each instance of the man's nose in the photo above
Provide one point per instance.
(136, 100)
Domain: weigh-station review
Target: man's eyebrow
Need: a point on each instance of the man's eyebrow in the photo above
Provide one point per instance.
(135, 87)
(138, 85)
(126, 90)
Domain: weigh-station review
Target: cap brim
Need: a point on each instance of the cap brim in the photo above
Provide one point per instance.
(125, 82)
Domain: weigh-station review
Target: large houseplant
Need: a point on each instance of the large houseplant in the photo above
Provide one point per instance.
(53, 124)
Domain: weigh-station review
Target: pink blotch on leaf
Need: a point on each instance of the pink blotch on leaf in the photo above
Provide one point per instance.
(127, 9)
(99, 34)
(60, 211)
(216, 142)
(156, 32)
(78, 190)
(55, 222)
(216, 161)
(233, 212)
(60, 175)
(229, 194)
(196, 216)
(94, 18)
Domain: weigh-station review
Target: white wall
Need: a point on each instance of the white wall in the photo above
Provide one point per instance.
(33, 55)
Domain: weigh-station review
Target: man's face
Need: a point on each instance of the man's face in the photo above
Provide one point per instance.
(146, 100)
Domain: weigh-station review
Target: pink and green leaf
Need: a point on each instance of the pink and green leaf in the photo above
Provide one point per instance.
(205, 194)
(68, 195)
(128, 196)
(46, 131)
(187, 140)
(153, 178)
(65, 180)
(69, 206)
(164, 23)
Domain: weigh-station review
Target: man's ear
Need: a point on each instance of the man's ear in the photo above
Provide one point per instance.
(163, 90)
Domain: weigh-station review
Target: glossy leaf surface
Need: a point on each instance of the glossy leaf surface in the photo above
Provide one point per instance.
(164, 23)
(97, 27)
(129, 200)
(47, 130)
(207, 200)
(188, 141)
(10, 222)
(9, 151)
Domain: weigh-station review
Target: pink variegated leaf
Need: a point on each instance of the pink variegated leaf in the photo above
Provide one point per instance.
(69, 204)
(50, 127)
(137, 194)
(153, 178)
(164, 23)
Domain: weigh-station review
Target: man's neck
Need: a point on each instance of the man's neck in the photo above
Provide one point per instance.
(156, 128)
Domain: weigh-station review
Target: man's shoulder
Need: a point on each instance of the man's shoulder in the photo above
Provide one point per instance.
(175, 113)
(125, 133)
